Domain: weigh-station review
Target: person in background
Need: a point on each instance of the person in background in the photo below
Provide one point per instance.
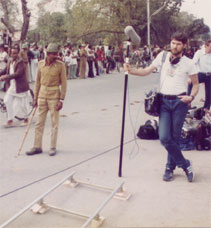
(42, 53)
(119, 57)
(90, 60)
(103, 55)
(109, 59)
(202, 59)
(96, 63)
(34, 61)
(30, 57)
(83, 60)
(78, 61)
(73, 63)
(24, 56)
(3, 61)
(67, 61)
(100, 60)
(49, 94)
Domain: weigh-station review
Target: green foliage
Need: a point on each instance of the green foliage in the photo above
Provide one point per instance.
(103, 22)
(51, 27)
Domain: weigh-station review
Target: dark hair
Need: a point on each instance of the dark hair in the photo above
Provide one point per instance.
(208, 42)
(180, 36)
(2, 46)
(16, 47)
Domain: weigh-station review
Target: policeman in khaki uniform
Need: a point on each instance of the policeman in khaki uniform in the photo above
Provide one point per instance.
(50, 90)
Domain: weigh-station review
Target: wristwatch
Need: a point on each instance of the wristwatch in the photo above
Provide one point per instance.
(192, 97)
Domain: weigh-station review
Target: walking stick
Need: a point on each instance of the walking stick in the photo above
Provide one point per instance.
(27, 130)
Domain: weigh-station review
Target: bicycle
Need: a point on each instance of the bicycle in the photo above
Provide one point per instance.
(2, 106)
(30, 100)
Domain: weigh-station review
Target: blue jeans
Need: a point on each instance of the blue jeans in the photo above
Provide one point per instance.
(73, 69)
(203, 78)
(172, 116)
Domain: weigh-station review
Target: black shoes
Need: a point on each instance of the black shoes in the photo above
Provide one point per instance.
(168, 175)
(189, 171)
(34, 151)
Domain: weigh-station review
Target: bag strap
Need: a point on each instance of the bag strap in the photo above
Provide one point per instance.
(162, 62)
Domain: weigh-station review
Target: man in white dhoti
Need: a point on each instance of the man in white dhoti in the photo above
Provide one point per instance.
(17, 95)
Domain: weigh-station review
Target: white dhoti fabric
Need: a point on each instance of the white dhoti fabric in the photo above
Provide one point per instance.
(17, 104)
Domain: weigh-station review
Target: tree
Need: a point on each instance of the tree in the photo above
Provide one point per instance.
(103, 22)
(26, 19)
(51, 27)
(109, 18)
(10, 11)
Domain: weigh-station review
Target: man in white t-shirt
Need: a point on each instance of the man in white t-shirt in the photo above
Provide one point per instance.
(176, 71)
(73, 63)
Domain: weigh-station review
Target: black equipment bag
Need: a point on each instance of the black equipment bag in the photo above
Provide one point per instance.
(199, 113)
(204, 144)
(152, 103)
(149, 130)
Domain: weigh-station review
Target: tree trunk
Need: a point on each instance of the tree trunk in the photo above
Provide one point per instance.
(26, 19)
(6, 19)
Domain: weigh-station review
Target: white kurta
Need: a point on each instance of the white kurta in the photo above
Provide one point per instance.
(18, 104)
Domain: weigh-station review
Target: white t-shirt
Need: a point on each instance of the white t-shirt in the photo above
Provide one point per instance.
(203, 61)
(67, 59)
(73, 60)
(174, 78)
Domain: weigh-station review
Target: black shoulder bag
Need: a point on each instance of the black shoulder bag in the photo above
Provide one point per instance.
(152, 99)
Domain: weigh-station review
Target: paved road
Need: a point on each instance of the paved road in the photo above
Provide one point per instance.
(89, 138)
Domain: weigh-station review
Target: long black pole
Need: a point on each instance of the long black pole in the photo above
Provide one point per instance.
(123, 114)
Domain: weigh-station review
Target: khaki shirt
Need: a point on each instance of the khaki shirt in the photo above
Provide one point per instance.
(51, 81)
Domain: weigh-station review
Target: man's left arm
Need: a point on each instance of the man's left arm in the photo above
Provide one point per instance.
(195, 82)
(194, 91)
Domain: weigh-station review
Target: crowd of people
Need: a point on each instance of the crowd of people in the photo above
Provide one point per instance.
(22, 66)
(84, 60)
(80, 62)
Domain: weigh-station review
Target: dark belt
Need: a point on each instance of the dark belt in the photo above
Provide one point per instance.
(172, 97)
(207, 74)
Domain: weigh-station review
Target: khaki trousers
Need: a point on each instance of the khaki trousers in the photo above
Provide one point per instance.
(83, 67)
(45, 105)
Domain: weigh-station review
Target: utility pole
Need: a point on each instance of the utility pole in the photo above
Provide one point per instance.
(148, 23)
